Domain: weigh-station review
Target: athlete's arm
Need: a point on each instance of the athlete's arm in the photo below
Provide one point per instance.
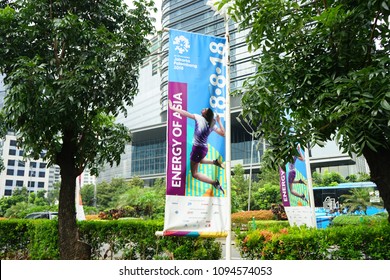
(301, 157)
(220, 130)
(180, 111)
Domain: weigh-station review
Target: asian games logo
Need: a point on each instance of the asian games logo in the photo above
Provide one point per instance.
(182, 44)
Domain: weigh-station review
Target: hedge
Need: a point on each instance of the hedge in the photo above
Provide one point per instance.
(351, 242)
(121, 239)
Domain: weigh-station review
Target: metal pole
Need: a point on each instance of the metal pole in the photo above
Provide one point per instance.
(310, 188)
(94, 194)
(228, 145)
(250, 176)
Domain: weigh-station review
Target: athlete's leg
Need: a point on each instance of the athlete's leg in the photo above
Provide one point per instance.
(206, 161)
(300, 181)
(216, 162)
(199, 176)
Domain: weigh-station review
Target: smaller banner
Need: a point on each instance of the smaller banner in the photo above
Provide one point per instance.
(295, 191)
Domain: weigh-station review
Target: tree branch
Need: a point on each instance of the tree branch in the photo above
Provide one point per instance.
(367, 59)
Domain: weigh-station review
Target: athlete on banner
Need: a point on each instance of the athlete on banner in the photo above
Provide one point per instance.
(204, 126)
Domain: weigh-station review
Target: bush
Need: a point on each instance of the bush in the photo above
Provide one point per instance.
(92, 217)
(14, 240)
(43, 237)
(112, 239)
(272, 225)
(345, 220)
(245, 217)
(279, 211)
(351, 242)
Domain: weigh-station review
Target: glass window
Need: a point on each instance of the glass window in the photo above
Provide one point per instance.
(33, 164)
(154, 68)
(41, 184)
(10, 172)
(8, 183)
(11, 162)
(20, 173)
(7, 192)
(42, 174)
(12, 152)
(12, 143)
(19, 183)
(42, 165)
(149, 157)
(21, 153)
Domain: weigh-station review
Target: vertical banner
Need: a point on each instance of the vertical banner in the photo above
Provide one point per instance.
(296, 192)
(197, 80)
(80, 215)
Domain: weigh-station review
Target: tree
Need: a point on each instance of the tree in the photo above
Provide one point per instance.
(358, 200)
(268, 189)
(266, 196)
(240, 186)
(88, 194)
(322, 74)
(19, 195)
(332, 178)
(107, 194)
(71, 67)
(268, 176)
(54, 194)
(146, 202)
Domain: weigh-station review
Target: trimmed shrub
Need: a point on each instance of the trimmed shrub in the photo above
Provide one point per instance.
(245, 217)
(114, 239)
(351, 242)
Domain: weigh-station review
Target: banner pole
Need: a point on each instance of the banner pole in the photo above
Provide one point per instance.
(310, 188)
(228, 145)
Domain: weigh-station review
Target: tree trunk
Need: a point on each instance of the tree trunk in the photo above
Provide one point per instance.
(70, 246)
(379, 163)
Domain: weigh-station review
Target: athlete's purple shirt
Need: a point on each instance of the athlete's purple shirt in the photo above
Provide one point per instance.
(202, 131)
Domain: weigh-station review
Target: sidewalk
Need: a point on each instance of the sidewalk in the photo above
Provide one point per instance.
(234, 255)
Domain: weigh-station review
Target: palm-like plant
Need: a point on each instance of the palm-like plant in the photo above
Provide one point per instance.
(358, 200)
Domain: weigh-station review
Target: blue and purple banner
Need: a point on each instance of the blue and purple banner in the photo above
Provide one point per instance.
(295, 191)
(197, 80)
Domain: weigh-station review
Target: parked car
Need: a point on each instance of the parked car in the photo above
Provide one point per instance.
(43, 215)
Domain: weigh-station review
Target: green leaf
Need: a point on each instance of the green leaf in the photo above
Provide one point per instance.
(385, 105)
(384, 5)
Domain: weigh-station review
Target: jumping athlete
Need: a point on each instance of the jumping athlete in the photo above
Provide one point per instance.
(204, 125)
(292, 174)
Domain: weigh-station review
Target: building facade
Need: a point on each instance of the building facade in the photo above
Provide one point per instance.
(23, 172)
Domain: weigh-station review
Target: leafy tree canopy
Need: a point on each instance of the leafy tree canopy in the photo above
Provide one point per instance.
(322, 74)
(71, 67)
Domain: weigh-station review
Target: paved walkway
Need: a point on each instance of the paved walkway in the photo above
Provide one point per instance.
(234, 255)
